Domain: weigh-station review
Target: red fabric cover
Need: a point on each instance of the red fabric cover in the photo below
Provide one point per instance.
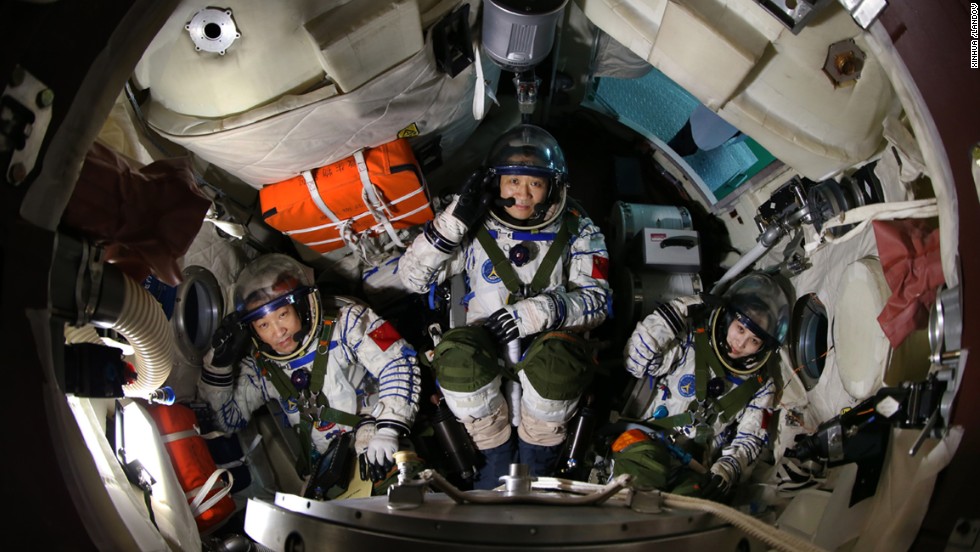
(910, 258)
(191, 459)
(145, 217)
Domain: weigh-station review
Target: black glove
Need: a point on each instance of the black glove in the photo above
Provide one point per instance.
(702, 310)
(807, 447)
(474, 198)
(229, 341)
(715, 489)
(503, 325)
(712, 301)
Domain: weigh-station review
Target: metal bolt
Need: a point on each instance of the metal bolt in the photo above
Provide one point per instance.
(17, 173)
(45, 98)
(846, 64)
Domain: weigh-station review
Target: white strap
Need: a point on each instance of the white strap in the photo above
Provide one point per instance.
(480, 92)
(372, 200)
(199, 505)
(366, 184)
(177, 436)
(864, 215)
(244, 459)
(480, 89)
(359, 216)
(315, 195)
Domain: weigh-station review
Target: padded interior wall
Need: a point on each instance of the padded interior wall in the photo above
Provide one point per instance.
(741, 62)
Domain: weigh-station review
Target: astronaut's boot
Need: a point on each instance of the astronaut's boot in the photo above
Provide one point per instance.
(497, 462)
(540, 459)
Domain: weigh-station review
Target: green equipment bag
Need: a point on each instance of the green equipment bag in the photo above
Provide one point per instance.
(649, 462)
(466, 359)
(560, 365)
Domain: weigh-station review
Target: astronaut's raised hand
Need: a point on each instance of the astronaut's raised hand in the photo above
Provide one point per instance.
(474, 198)
(229, 341)
(503, 324)
(642, 352)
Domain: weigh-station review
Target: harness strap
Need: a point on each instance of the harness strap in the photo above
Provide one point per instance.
(729, 404)
(736, 399)
(557, 249)
(501, 264)
(505, 270)
(286, 388)
(667, 423)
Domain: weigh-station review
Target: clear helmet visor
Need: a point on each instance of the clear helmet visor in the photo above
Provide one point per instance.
(529, 150)
(266, 279)
(757, 302)
(269, 283)
(761, 305)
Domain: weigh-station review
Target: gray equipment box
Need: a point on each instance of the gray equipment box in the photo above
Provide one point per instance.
(669, 249)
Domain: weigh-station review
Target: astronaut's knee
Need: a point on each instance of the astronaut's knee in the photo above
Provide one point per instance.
(536, 431)
(490, 431)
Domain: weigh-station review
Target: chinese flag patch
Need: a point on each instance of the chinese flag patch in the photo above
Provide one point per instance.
(384, 335)
(600, 268)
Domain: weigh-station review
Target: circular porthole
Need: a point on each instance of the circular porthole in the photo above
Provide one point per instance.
(198, 309)
(810, 326)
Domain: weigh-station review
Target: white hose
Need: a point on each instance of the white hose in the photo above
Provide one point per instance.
(741, 264)
(601, 495)
(774, 537)
(144, 324)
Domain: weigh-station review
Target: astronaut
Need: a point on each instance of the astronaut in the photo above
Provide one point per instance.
(331, 362)
(714, 394)
(536, 272)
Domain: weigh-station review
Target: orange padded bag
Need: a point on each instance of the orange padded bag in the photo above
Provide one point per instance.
(376, 190)
(196, 470)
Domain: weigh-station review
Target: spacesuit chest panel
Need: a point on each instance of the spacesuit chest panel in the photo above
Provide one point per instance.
(488, 290)
(720, 394)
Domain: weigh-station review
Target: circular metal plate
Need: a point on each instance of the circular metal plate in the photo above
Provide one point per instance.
(295, 523)
(213, 30)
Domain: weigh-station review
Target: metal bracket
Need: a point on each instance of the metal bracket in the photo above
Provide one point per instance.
(25, 114)
(864, 12)
(964, 534)
(795, 14)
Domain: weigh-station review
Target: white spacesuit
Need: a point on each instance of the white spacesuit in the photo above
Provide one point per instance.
(368, 375)
(725, 405)
(516, 301)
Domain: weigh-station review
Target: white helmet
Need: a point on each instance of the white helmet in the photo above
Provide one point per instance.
(269, 283)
